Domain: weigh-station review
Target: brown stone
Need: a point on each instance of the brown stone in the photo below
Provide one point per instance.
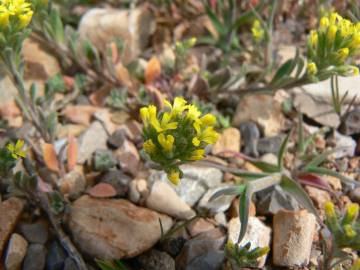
(114, 228)
(198, 226)
(229, 140)
(10, 211)
(293, 237)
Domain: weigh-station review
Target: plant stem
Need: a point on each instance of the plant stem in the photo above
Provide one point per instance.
(270, 89)
(42, 199)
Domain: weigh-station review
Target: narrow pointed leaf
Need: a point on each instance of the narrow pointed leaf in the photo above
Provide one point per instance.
(235, 190)
(292, 187)
(282, 152)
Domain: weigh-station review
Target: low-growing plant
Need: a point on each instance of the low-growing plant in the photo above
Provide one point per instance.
(342, 231)
(177, 135)
(244, 256)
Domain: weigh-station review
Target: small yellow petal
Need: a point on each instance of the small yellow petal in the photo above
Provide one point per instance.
(174, 177)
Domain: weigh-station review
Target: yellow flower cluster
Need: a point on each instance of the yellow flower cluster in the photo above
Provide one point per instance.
(257, 31)
(17, 13)
(345, 228)
(176, 135)
(331, 46)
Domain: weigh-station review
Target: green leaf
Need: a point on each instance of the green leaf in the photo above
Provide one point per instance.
(247, 16)
(264, 166)
(215, 21)
(294, 188)
(316, 161)
(282, 152)
(235, 190)
(245, 198)
(57, 26)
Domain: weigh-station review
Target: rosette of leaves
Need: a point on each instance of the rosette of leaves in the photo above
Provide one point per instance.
(176, 135)
(345, 233)
(307, 170)
(244, 256)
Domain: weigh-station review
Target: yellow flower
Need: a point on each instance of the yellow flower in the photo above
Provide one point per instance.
(16, 150)
(208, 135)
(166, 142)
(174, 177)
(193, 112)
(330, 210)
(355, 41)
(335, 17)
(25, 19)
(149, 146)
(197, 154)
(311, 68)
(147, 114)
(342, 54)
(351, 213)
(165, 123)
(313, 38)
(4, 16)
(178, 107)
(331, 34)
(349, 231)
(257, 31)
(324, 23)
(208, 120)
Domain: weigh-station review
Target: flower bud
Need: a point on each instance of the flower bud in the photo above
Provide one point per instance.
(311, 68)
(342, 54)
(331, 34)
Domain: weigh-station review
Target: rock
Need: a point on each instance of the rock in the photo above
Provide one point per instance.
(72, 184)
(10, 212)
(322, 113)
(269, 158)
(209, 241)
(70, 264)
(334, 182)
(351, 123)
(134, 27)
(274, 199)
(155, 260)
(212, 260)
(128, 157)
(35, 233)
(104, 116)
(35, 257)
(229, 140)
(138, 190)
(250, 134)
(345, 145)
(40, 65)
(321, 91)
(264, 110)
(94, 138)
(114, 228)
(198, 226)
(293, 237)
(196, 180)
(221, 219)
(164, 199)
(79, 114)
(117, 139)
(355, 195)
(56, 257)
(257, 233)
(270, 144)
(118, 180)
(16, 252)
(319, 196)
(220, 204)
(8, 89)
